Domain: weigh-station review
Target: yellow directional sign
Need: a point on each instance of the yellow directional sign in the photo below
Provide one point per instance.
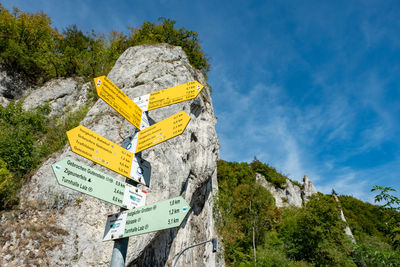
(161, 131)
(118, 100)
(169, 96)
(95, 147)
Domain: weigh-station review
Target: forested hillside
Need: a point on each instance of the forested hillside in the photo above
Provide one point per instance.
(255, 232)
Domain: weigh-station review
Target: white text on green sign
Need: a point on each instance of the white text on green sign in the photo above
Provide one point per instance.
(154, 217)
(82, 178)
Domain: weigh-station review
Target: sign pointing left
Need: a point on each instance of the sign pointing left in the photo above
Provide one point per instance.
(82, 178)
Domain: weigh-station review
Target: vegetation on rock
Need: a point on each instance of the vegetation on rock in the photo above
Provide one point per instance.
(31, 47)
(27, 138)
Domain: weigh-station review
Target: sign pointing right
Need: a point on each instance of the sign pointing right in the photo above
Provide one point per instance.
(159, 132)
(154, 217)
(169, 96)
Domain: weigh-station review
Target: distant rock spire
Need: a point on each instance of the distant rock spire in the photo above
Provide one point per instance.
(307, 189)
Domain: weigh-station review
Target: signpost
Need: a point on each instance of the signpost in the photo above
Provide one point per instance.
(95, 147)
(119, 101)
(169, 96)
(100, 150)
(154, 217)
(159, 132)
(138, 219)
(82, 178)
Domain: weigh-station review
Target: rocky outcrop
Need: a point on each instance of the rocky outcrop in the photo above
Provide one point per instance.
(307, 189)
(62, 94)
(11, 86)
(185, 165)
(347, 229)
(291, 194)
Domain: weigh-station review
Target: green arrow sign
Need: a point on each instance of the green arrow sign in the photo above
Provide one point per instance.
(82, 178)
(154, 217)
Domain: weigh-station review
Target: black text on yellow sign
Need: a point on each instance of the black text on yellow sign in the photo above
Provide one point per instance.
(162, 131)
(100, 150)
(169, 96)
(118, 100)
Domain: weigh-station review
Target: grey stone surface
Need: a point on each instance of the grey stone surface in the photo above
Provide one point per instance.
(185, 165)
(291, 194)
(63, 94)
(307, 189)
(11, 86)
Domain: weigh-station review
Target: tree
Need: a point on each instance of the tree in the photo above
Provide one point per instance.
(165, 32)
(315, 233)
(392, 219)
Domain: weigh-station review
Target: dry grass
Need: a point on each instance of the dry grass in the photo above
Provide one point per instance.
(28, 235)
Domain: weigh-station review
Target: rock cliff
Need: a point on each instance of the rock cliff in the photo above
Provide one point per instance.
(56, 226)
(292, 194)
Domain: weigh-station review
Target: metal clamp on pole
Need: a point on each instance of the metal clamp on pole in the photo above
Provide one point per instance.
(214, 249)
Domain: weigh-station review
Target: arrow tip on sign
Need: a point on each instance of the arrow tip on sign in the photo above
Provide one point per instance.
(199, 87)
(98, 81)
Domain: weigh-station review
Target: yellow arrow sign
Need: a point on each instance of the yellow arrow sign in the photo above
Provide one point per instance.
(95, 147)
(160, 132)
(169, 96)
(118, 100)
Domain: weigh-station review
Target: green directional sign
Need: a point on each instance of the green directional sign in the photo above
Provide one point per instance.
(154, 217)
(82, 178)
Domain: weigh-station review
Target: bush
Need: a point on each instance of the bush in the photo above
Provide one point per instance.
(8, 187)
(20, 132)
(368, 253)
(26, 42)
(315, 233)
(27, 138)
(165, 32)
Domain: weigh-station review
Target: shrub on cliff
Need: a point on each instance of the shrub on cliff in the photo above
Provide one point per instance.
(30, 46)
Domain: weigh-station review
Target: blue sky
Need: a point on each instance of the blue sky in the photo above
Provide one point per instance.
(309, 87)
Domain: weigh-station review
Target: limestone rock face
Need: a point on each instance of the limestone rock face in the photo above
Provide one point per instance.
(307, 189)
(62, 95)
(11, 87)
(184, 165)
(291, 194)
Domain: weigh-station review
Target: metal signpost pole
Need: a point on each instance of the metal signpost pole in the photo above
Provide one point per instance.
(119, 251)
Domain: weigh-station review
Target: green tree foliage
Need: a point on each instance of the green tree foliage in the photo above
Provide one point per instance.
(270, 173)
(8, 186)
(315, 233)
(371, 251)
(246, 211)
(25, 42)
(27, 138)
(165, 32)
(31, 47)
(20, 131)
(18, 146)
(391, 207)
(363, 218)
